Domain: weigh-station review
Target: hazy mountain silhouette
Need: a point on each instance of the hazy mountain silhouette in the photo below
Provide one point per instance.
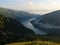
(52, 18)
(49, 23)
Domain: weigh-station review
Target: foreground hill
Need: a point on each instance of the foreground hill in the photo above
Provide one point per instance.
(12, 30)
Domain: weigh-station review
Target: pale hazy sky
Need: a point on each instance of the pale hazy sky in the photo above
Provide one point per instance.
(31, 4)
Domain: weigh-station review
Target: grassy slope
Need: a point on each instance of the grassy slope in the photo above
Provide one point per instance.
(40, 40)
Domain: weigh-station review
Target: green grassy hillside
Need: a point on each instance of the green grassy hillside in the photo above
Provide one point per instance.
(12, 30)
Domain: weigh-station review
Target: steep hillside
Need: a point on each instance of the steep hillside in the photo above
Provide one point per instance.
(12, 30)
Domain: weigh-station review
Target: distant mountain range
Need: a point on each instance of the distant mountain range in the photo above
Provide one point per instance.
(49, 23)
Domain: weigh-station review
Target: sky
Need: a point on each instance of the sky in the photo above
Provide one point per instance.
(31, 4)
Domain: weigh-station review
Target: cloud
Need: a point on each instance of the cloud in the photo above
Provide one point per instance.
(31, 4)
(44, 5)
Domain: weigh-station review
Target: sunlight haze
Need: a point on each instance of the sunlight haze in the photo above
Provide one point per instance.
(31, 4)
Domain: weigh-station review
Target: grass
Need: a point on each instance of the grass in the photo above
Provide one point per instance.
(38, 42)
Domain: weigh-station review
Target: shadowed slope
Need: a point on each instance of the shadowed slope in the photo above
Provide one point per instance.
(12, 30)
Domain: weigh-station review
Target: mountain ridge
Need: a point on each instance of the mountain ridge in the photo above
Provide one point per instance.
(50, 23)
